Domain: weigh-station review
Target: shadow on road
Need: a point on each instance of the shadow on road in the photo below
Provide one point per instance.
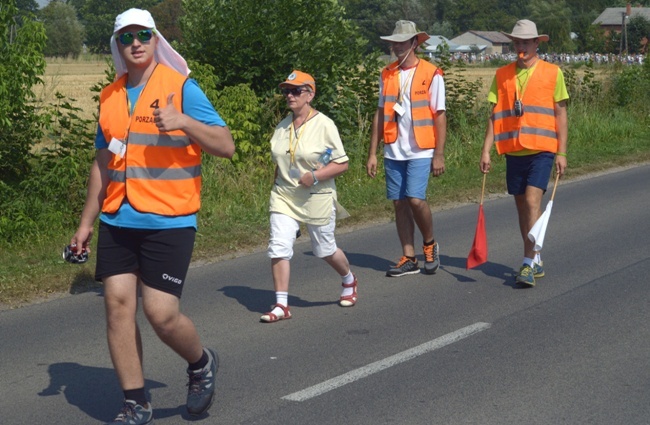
(259, 300)
(94, 390)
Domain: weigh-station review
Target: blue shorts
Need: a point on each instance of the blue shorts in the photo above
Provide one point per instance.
(160, 258)
(407, 179)
(529, 170)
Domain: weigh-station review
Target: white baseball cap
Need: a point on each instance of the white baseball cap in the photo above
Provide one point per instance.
(164, 53)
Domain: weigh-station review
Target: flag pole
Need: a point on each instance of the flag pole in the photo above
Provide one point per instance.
(557, 177)
(483, 188)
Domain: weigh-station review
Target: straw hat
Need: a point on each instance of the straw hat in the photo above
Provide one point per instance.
(299, 78)
(164, 53)
(404, 31)
(525, 30)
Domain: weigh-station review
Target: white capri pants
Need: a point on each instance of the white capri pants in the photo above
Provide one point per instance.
(283, 236)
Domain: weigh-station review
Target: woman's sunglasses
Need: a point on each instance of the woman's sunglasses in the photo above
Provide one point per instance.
(127, 38)
(296, 91)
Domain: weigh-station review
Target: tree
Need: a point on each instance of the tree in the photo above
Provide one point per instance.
(167, 15)
(21, 65)
(65, 34)
(637, 28)
(552, 17)
(98, 17)
(259, 43)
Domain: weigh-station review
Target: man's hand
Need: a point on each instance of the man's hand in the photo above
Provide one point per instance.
(438, 165)
(371, 166)
(169, 118)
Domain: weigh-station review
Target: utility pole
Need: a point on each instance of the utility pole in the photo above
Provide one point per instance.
(620, 47)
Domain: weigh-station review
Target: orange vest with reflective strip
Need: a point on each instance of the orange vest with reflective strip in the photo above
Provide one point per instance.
(161, 171)
(421, 114)
(536, 128)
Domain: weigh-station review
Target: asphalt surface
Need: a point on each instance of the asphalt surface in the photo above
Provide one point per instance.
(459, 347)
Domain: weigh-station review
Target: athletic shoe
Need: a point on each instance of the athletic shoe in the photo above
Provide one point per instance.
(200, 392)
(431, 258)
(538, 271)
(403, 267)
(526, 276)
(134, 414)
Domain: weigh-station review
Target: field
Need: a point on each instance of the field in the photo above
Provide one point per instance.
(72, 79)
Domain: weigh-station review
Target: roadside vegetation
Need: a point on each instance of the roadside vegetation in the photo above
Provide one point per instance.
(46, 149)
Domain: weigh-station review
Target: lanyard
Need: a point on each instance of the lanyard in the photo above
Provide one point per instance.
(402, 86)
(292, 134)
(524, 85)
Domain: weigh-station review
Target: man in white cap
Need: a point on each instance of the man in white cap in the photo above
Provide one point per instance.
(145, 181)
(529, 125)
(411, 121)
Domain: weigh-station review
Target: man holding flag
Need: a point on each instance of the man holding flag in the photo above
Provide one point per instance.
(529, 124)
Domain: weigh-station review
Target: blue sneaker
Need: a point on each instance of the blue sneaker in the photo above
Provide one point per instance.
(200, 392)
(134, 414)
(538, 270)
(526, 276)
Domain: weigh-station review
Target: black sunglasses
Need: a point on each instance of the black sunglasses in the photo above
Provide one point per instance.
(127, 38)
(296, 91)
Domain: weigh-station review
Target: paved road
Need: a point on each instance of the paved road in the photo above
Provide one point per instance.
(459, 347)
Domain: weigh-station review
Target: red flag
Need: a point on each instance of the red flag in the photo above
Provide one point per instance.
(479, 253)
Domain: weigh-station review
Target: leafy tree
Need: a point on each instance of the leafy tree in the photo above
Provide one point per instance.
(65, 34)
(167, 15)
(98, 17)
(260, 43)
(21, 65)
(27, 6)
(552, 17)
(256, 45)
(637, 28)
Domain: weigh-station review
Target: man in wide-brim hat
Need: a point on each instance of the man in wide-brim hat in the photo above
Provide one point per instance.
(529, 125)
(411, 121)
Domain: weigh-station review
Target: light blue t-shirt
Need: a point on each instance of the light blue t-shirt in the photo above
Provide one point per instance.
(197, 106)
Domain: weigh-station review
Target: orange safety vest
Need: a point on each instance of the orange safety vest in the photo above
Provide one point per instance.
(536, 128)
(422, 116)
(161, 171)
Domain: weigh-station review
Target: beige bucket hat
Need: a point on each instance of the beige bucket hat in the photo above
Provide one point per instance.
(525, 30)
(404, 31)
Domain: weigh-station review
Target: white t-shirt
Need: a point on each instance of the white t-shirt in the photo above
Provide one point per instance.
(405, 147)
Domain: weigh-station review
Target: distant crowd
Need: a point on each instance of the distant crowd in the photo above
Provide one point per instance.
(559, 58)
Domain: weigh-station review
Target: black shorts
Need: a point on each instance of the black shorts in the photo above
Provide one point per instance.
(160, 258)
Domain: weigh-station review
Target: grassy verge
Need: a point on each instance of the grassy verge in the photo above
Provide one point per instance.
(234, 216)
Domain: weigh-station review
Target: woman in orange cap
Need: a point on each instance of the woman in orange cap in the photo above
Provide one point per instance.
(305, 192)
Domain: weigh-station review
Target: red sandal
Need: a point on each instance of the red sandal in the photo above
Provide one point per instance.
(349, 300)
(272, 317)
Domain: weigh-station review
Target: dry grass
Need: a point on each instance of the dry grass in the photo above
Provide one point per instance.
(73, 79)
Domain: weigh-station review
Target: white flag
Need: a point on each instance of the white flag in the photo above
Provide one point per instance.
(538, 231)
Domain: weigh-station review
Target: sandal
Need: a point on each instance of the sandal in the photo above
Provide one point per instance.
(272, 317)
(349, 300)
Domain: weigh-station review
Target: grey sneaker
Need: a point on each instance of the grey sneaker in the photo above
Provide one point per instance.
(403, 267)
(538, 270)
(431, 258)
(200, 392)
(134, 414)
(526, 276)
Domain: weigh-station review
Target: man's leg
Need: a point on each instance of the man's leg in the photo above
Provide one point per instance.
(173, 328)
(404, 221)
(124, 342)
(529, 209)
(422, 215)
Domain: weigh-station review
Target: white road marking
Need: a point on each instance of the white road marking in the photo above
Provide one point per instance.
(378, 366)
